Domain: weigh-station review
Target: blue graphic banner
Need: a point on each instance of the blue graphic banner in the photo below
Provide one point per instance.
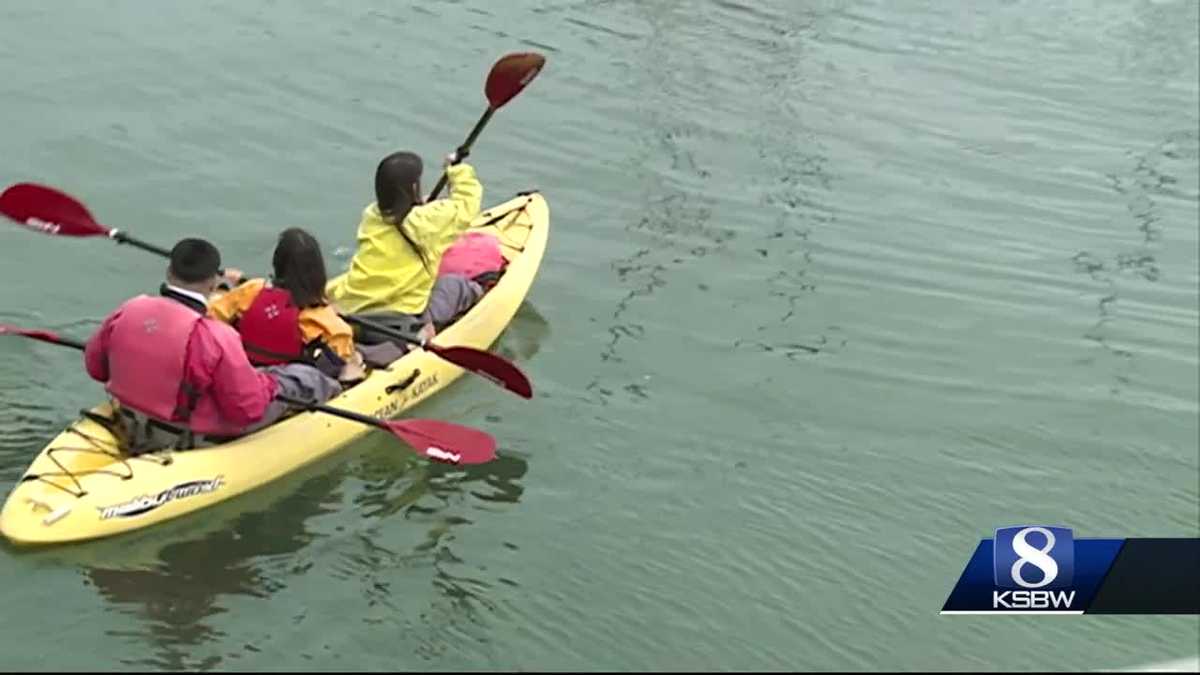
(1046, 570)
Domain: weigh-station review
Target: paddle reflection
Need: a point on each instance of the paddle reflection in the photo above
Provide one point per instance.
(442, 501)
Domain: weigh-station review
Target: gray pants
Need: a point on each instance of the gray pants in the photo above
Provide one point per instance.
(296, 380)
(139, 434)
(451, 297)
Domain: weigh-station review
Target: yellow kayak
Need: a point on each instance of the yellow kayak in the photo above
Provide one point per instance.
(80, 486)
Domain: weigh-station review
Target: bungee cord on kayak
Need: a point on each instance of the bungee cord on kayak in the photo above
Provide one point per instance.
(113, 451)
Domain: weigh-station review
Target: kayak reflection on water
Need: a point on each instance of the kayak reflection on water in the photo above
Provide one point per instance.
(178, 596)
(525, 335)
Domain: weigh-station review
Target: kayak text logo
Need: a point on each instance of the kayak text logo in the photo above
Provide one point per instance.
(424, 386)
(408, 392)
(42, 225)
(146, 503)
(435, 452)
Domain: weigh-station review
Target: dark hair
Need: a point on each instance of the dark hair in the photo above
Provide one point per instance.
(300, 268)
(394, 178)
(194, 260)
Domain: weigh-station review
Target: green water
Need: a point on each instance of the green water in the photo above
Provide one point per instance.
(833, 289)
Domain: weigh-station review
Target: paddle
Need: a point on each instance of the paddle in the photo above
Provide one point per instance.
(45, 209)
(43, 335)
(51, 211)
(507, 78)
(485, 364)
(442, 441)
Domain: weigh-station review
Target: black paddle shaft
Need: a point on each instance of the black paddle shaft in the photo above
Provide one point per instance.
(487, 116)
(122, 238)
(67, 342)
(350, 415)
(384, 330)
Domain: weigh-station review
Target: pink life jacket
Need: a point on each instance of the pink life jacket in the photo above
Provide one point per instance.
(146, 355)
(271, 324)
(207, 417)
(473, 254)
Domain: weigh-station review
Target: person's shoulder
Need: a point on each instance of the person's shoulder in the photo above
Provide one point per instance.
(326, 315)
(326, 309)
(247, 289)
(371, 214)
(130, 302)
(218, 331)
(140, 297)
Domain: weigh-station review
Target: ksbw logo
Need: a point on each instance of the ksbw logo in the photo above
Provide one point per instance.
(1040, 569)
(1036, 567)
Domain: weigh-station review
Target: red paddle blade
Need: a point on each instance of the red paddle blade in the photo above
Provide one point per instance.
(445, 441)
(510, 75)
(48, 210)
(488, 365)
(43, 335)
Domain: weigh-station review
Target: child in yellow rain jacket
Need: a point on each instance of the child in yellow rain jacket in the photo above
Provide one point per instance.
(393, 278)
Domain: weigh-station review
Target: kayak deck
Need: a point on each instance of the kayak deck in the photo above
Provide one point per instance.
(81, 486)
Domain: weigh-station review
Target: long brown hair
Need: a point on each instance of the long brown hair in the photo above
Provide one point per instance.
(300, 268)
(396, 177)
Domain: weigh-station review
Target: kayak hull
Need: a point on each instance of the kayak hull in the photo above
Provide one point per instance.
(80, 486)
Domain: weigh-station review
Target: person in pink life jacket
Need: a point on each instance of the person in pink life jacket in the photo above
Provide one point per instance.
(177, 374)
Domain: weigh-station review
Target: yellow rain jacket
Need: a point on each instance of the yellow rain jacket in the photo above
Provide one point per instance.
(386, 274)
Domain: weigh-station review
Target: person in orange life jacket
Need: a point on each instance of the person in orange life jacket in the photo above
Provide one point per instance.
(288, 318)
(393, 277)
(176, 374)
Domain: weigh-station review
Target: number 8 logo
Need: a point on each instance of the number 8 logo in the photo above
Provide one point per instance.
(1027, 555)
